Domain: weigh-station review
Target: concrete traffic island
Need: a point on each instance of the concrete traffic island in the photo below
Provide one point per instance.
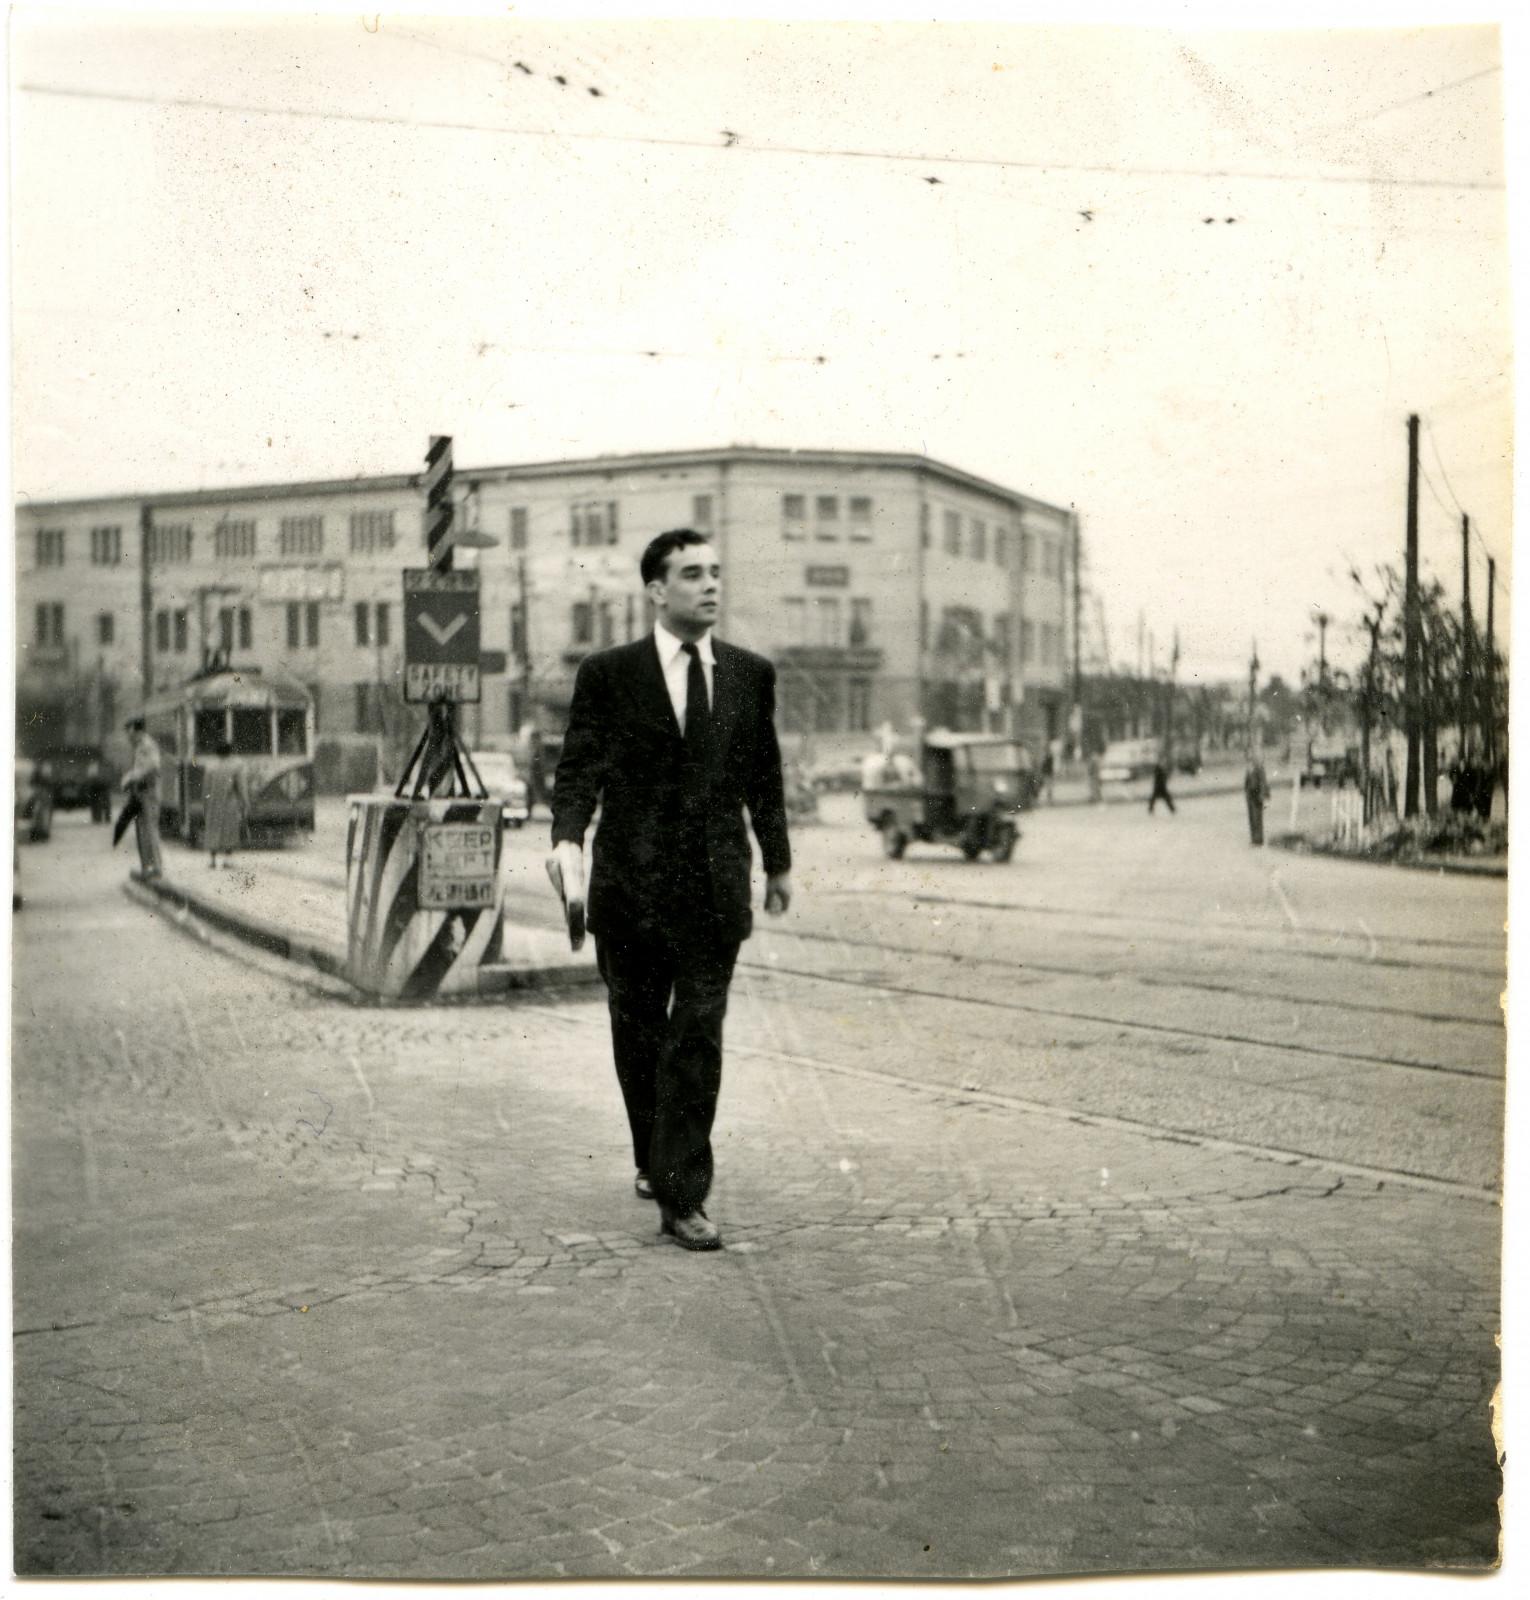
(305, 923)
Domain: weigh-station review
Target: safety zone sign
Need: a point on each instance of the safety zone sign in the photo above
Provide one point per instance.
(457, 866)
(440, 635)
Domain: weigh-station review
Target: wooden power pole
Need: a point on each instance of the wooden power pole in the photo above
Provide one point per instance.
(1464, 691)
(1411, 630)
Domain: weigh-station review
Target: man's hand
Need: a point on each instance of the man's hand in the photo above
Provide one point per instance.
(778, 892)
(570, 859)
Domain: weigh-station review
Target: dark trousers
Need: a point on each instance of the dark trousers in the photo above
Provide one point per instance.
(1255, 819)
(667, 997)
(1160, 792)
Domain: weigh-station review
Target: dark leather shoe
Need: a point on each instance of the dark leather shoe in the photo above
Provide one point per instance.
(692, 1231)
(643, 1185)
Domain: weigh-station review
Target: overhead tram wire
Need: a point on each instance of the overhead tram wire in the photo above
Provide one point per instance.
(733, 141)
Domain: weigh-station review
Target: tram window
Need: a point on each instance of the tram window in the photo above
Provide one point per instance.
(292, 733)
(252, 731)
(210, 732)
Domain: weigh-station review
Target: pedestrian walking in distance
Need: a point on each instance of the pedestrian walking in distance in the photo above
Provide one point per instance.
(1256, 792)
(1160, 785)
(228, 805)
(141, 781)
(673, 735)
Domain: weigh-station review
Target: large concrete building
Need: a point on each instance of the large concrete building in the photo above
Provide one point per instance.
(885, 587)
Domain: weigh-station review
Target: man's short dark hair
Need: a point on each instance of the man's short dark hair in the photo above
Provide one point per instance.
(662, 546)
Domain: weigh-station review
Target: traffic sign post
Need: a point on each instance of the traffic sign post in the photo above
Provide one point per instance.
(423, 867)
(441, 636)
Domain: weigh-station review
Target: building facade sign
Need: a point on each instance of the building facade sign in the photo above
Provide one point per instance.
(289, 583)
(828, 577)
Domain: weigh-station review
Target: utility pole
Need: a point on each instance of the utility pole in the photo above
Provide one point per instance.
(1367, 714)
(1490, 676)
(1464, 691)
(1411, 630)
(1253, 684)
(1078, 633)
(146, 597)
(1168, 704)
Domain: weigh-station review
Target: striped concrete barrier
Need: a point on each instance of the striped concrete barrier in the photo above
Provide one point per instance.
(424, 894)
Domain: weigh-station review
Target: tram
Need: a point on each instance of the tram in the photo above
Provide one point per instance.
(268, 719)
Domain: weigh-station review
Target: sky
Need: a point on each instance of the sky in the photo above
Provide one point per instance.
(1191, 282)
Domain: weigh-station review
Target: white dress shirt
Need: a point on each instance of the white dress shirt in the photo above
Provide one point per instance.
(677, 668)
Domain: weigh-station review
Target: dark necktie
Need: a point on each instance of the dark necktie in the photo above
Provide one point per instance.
(698, 714)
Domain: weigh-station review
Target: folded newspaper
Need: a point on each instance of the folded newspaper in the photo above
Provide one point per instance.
(573, 910)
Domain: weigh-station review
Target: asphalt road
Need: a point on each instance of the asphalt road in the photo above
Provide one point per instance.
(1127, 1206)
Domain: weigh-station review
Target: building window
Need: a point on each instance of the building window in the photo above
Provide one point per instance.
(311, 624)
(796, 620)
(371, 715)
(162, 632)
(382, 620)
(953, 533)
(50, 547)
(860, 516)
(106, 547)
(170, 544)
(226, 630)
(924, 624)
(593, 522)
(979, 543)
(50, 625)
(1027, 639)
(826, 706)
(246, 629)
(826, 517)
(794, 516)
(858, 705)
(371, 531)
(1025, 551)
(1001, 546)
(106, 627)
(1003, 636)
(827, 621)
(860, 624)
(182, 628)
(517, 527)
(518, 632)
(301, 536)
(363, 623)
(234, 541)
(701, 511)
(924, 525)
(582, 622)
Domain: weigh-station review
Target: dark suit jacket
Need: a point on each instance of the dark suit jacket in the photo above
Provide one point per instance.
(671, 852)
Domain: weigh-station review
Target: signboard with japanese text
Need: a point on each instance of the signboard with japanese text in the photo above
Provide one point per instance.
(458, 862)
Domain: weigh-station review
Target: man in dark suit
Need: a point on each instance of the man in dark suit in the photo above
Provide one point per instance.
(674, 736)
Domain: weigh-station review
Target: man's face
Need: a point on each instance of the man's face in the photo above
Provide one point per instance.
(687, 596)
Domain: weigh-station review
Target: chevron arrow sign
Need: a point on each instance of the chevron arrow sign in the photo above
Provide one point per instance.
(441, 635)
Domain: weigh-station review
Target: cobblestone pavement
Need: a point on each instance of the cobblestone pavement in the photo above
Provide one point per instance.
(306, 1287)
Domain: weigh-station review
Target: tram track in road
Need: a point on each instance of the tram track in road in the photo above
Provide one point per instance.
(1151, 981)
(1279, 938)
(957, 1096)
(895, 990)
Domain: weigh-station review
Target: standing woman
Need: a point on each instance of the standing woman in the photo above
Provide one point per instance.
(228, 804)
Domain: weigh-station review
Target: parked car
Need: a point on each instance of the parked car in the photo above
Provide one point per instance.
(1335, 764)
(1125, 760)
(34, 802)
(505, 784)
(78, 775)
